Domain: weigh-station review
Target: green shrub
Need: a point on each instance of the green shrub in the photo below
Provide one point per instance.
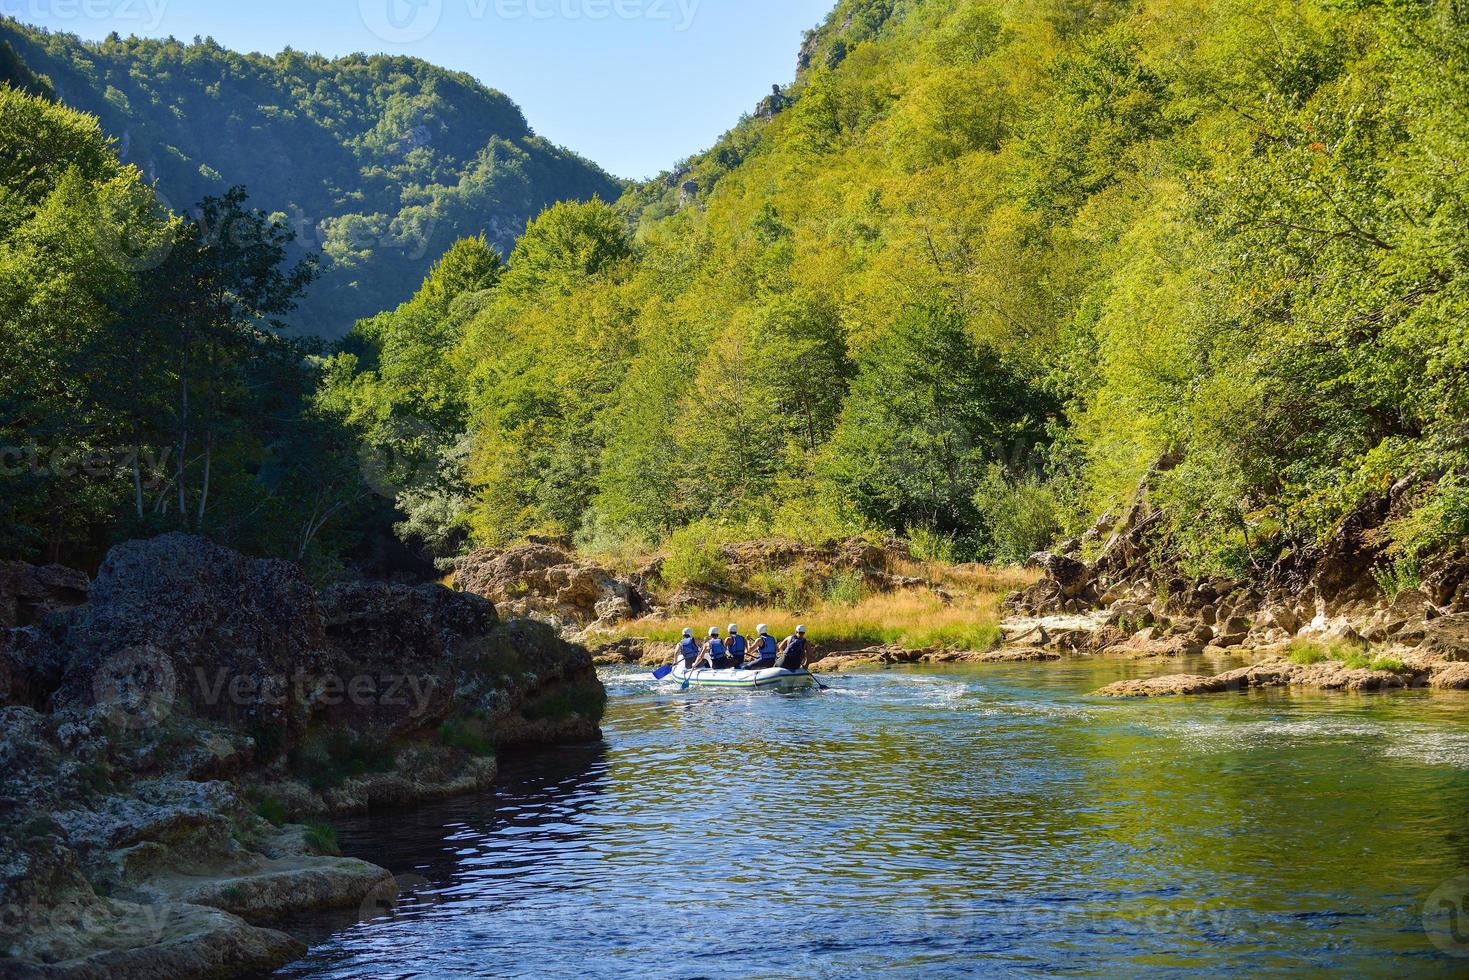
(929, 545)
(1306, 654)
(696, 559)
(846, 589)
(587, 700)
(1439, 521)
(327, 759)
(1398, 577)
(272, 810)
(1024, 515)
(94, 777)
(977, 637)
(322, 838)
(793, 589)
(468, 734)
(269, 739)
(1391, 664)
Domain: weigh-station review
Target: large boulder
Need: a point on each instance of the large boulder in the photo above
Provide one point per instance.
(1072, 577)
(1403, 620)
(544, 580)
(179, 623)
(394, 654)
(1067, 585)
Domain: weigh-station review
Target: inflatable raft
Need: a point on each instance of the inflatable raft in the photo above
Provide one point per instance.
(774, 679)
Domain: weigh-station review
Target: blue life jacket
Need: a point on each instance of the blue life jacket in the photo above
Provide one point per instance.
(765, 648)
(719, 656)
(689, 650)
(737, 646)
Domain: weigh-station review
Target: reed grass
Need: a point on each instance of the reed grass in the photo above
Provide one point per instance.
(915, 619)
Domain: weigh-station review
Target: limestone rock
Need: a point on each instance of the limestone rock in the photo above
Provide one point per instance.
(1454, 677)
(30, 593)
(1447, 638)
(179, 623)
(1158, 687)
(547, 581)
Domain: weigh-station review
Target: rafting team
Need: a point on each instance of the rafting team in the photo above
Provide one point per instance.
(720, 654)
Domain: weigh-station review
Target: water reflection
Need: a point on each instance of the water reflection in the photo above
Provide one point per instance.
(937, 821)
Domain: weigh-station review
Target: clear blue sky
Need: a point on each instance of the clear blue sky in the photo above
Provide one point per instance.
(633, 84)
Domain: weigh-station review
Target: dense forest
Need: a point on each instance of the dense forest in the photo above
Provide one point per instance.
(377, 164)
(970, 278)
(967, 280)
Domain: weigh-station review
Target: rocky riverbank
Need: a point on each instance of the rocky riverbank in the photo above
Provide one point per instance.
(1279, 672)
(1337, 615)
(175, 734)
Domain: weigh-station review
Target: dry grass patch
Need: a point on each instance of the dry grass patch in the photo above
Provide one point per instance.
(914, 619)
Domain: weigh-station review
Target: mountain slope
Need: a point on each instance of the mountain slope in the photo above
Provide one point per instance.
(381, 162)
(985, 264)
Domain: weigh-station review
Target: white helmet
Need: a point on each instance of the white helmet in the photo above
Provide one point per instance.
(762, 629)
(714, 631)
(733, 629)
(688, 633)
(801, 630)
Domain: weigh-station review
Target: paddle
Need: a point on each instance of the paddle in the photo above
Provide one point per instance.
(662, 672)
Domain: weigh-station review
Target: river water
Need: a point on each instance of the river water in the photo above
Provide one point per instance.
(942, 821)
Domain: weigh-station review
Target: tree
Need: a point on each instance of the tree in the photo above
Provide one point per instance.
(928, 411)
(222, 289)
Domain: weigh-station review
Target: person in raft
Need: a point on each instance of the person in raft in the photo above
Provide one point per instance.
(765, 649)
(714, 655)
(737, 645)
(688, 650)
(794, 650)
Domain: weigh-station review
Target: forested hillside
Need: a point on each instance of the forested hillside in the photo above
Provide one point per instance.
(973, 275)
(981, 268)
(379, 162)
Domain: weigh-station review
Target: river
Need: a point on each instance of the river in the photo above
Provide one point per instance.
(941, 821)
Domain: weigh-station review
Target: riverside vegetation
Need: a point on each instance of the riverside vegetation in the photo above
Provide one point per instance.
(966, 281)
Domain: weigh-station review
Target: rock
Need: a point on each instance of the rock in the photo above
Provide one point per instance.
(542, 580)
(1159, 687)
(197, 683)
(1100, 530)
(419, 775)
(1328, 676)
(396, 654)
(1131, 616)
(1454, 677)
(57, 926)
(1071, 576)
(31, 667)
(1404, 619)
(278, 889)
(1287, 619)
(179, 623)
(890, 656)
(30, 593)
(1447, 638)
